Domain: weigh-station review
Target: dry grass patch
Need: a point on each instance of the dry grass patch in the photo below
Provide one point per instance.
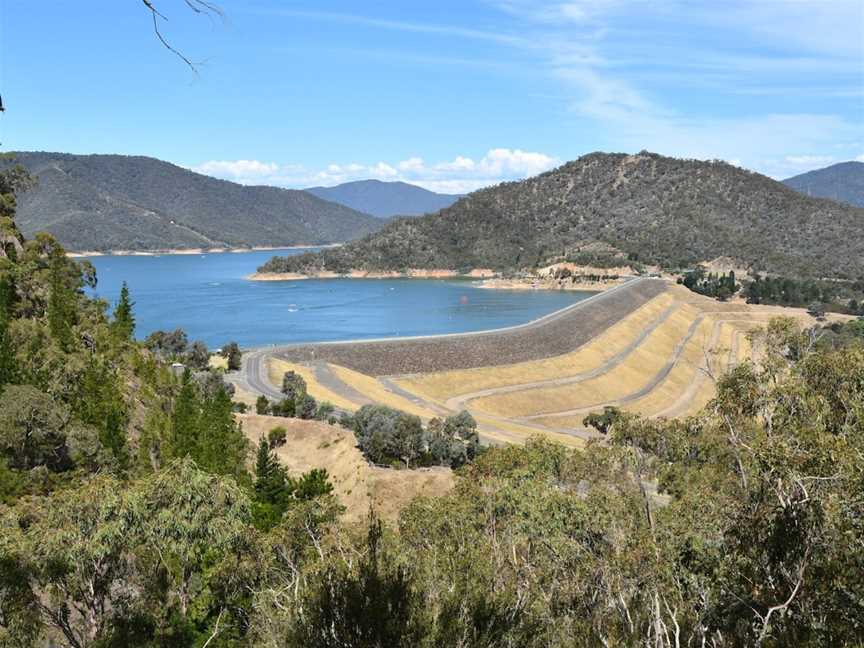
(357, 485)
(494, 430)
(688, 386)
(375, 391)
(216, 361)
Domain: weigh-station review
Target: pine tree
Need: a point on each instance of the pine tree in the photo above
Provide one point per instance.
(124, 319)
(61, 303)
(100, 403)
(221, 447)
(263, 463)
(185, 420)
(7, 355)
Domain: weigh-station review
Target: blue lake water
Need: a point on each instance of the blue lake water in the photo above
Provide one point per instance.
(208, 297)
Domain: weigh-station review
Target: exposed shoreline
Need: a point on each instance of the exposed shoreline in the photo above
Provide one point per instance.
(189, 251)
(477, 273)
(489, 279)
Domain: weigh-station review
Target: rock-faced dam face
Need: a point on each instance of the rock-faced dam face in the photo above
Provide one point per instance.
(555, 334)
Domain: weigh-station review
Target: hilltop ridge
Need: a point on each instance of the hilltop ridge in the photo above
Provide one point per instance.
(609, 207)
(119, 202)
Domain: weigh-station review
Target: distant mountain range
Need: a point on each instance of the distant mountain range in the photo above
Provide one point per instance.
(385, 199)
(117, 202)
(611, 207)
(843, 182)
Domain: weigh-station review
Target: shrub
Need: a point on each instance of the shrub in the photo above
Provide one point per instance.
(277, 437)
(262, 405)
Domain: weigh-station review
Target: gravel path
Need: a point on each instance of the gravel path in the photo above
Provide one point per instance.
(552, 335)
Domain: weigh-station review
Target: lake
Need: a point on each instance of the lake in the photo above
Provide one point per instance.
(208, 297)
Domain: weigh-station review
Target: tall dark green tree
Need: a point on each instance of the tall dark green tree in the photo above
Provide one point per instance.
(124, 319)
(221, 447)
(7, 355)
(100, 403)
(185, 420)
(61, 302)
(231, 352)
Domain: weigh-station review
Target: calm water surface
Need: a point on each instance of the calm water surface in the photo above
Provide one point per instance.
(209, 298)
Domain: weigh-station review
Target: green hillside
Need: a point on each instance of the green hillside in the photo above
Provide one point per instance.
(648, 208)
(116, 202)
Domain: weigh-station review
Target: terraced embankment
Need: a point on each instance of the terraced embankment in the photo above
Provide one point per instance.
(647, 347)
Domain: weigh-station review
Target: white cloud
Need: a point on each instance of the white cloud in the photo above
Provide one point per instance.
(411, 164)
(860, 158)
(462, 174)
(237, 169)
(809, 160)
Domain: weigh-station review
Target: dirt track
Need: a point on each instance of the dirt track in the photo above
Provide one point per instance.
(555, 334)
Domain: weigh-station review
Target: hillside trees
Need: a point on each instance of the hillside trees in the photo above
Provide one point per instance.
(231, 352)
(124, 319)
(720, 286)
(61, 302)
(202, 427)
(7, 355)
(610, 202)
(386, 435)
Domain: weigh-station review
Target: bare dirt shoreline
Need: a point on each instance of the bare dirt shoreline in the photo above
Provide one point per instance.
(477, 273)
(182, 251)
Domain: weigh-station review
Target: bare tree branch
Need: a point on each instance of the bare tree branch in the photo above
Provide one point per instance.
(198, 6)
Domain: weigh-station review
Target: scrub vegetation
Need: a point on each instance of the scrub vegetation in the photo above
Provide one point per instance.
(135, 512)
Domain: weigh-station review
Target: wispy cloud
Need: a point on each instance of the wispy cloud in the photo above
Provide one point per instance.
(623, 67)
(407, 26)
(461, 174)
(237, 169)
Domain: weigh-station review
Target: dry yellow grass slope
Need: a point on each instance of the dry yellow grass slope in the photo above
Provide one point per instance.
(632, 374)
(372, 389)
(357, 485)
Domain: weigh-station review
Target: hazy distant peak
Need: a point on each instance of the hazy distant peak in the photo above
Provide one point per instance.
(843, 182)
(385, 199)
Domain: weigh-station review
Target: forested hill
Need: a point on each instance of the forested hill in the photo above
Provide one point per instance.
(650, 208)
(385, 199)
(843, 182)
(114, 202)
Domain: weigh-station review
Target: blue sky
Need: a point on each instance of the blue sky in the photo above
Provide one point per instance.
(451, 95)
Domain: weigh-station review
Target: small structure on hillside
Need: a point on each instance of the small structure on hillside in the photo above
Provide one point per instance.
(178, 369)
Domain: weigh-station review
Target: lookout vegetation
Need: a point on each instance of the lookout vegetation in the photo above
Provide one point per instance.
(135, 513)
(641, 209)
